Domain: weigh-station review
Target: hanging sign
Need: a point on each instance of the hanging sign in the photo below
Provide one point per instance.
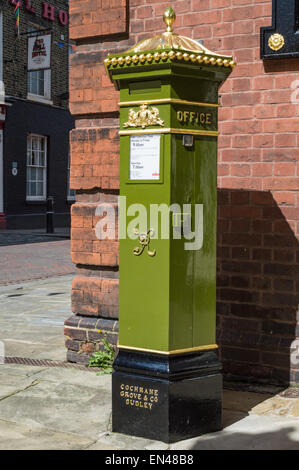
(39, 52)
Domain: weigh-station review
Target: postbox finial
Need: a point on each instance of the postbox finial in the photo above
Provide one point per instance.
(169, 18)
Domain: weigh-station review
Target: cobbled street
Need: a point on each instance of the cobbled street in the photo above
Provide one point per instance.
(25, 257)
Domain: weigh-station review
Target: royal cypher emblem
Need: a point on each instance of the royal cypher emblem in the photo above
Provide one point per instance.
(144, 240)
(145, 117)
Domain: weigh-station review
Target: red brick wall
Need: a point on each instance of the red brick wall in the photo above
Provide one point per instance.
(95, 158)
(258, 278)
(97, 18)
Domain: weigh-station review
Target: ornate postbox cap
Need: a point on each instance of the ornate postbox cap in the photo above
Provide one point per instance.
(167, 47)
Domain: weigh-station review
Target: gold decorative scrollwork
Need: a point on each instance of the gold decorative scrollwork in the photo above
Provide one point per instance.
(276, 41)
(144, 240)
(144, 117)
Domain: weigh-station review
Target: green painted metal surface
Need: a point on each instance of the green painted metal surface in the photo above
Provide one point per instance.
(167, 302)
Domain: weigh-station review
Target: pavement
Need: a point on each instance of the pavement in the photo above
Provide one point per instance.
(63, 409)
(47, 407)
(32, 316)
(44, 407)
(27, 255)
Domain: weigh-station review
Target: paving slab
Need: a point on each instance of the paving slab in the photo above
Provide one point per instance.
(251, 433)
(32, 316)
(54, 408)
(115, 441)
(12, 385)
(278, 406)
(18, 371)
(62, 400)
(18, 436)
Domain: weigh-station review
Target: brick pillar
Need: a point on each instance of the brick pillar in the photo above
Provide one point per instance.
(94, 173)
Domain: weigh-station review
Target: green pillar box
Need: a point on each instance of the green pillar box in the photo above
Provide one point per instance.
(167, 383)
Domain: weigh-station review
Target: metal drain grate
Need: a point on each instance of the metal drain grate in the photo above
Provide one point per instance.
(47, 363)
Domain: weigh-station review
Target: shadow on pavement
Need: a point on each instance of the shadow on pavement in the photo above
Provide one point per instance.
(281, 439)
(236, 405)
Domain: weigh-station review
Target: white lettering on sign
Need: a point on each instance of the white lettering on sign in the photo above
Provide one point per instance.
(145, 157)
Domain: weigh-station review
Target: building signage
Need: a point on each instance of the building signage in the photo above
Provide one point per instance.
(145, 157)
(49, 12)
(39, 52)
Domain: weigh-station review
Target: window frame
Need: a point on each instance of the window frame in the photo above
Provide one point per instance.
(45, 168)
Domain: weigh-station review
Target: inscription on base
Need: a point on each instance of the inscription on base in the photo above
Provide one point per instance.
(141, 397)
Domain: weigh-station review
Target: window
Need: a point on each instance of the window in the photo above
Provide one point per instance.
(39, 84)
(71, 193)
(36, 167)
(36, 82)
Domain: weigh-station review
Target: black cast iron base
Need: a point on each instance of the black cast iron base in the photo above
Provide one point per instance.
(166, 398)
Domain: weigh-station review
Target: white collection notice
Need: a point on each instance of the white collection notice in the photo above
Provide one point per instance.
(145, 157)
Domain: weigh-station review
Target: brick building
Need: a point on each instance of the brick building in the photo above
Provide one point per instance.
(258, 179)
(35, 157)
